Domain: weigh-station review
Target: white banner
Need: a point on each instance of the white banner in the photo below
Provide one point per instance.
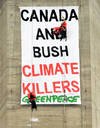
(50, 54)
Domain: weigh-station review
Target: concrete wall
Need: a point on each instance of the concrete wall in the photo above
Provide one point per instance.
(12, 114)
(3, 66)
(95, 61)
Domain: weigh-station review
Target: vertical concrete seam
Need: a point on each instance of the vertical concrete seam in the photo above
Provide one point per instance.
(80, 22)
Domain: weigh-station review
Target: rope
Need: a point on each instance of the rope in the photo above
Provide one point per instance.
(31, 61)
(31, 119)
(12, 78)
(13, 57)
(64, 111)
(64, 108)
(80, 45)
(84, 118)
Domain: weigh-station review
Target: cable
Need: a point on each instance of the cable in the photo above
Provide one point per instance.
(31, 61)
(64, 108)
(80, 45)
(13, 57)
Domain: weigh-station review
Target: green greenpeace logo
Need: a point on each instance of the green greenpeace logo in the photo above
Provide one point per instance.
(52, 98)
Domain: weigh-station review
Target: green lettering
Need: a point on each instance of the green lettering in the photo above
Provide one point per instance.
(54, 98)
(25, 99)
(63, 99)
(48, 99)
(70, 98)
(43, 99)
(37, 99)
(75, 98)
(59, 99)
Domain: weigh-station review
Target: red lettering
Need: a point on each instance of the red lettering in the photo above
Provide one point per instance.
(66, 69)
(55, 87)
(66, 86)
(41, 70)
(72, 68)
(46, 91)
(58, 69)
(33, 71)
(33, 88)
(38, 91)
(48, 71)
(26, 66)
(73, 84)
(26, 88)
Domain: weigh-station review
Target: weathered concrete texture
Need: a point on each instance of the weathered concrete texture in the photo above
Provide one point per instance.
(95, 61)
(1, 3)
(3, 66)
(86, 115)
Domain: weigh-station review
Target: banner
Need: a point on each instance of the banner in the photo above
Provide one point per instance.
(50, 54)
